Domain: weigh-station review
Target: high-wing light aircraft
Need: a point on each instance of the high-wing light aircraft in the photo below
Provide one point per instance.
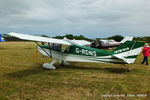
(74, 51)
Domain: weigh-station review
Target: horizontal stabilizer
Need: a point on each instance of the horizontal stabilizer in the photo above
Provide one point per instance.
(122, 58)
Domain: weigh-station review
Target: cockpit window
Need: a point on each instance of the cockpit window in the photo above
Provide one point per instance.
(65, 48)
(96, 44)
(60, 47)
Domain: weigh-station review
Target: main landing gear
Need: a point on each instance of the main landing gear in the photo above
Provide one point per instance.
(51, 65)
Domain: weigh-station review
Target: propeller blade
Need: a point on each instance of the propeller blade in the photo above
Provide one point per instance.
(35, 53)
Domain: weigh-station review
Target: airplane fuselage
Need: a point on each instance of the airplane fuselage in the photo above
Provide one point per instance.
(81, 54)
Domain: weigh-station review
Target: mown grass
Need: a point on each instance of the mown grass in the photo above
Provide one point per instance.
(22, 77)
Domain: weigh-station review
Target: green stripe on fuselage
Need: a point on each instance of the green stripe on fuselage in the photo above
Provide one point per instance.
(88, 51)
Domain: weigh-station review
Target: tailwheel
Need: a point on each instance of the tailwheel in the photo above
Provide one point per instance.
(127, 68)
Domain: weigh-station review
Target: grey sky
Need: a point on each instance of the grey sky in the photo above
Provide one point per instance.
(91, 18)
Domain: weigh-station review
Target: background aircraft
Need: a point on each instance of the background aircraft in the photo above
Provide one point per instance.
(101, 44)
(1, 39)
(126, 53)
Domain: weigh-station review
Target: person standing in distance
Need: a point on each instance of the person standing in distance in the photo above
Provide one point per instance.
(146, 53)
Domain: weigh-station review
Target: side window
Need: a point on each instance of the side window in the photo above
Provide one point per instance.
(65, 48)
(52, 46)
(60, 47)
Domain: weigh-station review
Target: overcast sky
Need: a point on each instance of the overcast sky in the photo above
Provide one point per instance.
(91, 18)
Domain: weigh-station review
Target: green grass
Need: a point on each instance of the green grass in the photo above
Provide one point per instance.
(22, 77)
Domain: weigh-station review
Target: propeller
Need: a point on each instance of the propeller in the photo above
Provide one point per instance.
(35, 53)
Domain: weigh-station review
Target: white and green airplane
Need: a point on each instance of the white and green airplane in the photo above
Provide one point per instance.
(74, 50)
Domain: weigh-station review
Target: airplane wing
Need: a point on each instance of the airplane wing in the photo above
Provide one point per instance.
(81, 42)
(38, 38)
(46, 39)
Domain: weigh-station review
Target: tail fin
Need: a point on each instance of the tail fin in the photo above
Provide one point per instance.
(127, 38)
(128, 51)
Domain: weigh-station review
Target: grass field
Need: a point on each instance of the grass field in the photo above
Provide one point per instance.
(22, 77)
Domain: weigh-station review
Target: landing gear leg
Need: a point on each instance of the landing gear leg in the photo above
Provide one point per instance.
(50, 65)
(62, 62)
(128, 70)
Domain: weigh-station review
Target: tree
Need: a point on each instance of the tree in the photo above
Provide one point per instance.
(116, 38)
(70, 36)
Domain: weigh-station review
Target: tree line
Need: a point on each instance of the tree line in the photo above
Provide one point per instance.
(115, 37)
(81, 37)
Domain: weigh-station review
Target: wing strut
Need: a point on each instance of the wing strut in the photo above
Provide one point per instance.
(44, 50)
(49, 49)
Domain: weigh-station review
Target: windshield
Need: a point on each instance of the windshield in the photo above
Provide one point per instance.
(60, 47)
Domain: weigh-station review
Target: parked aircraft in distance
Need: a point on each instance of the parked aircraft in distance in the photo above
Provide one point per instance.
(1, 38)
(104, 44)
